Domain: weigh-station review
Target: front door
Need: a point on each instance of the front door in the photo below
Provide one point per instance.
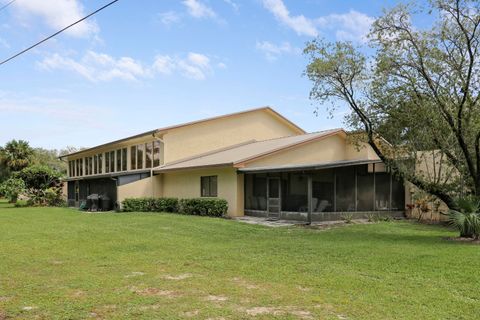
(274, 201)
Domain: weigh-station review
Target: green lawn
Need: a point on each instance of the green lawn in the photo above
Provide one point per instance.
(60, 263)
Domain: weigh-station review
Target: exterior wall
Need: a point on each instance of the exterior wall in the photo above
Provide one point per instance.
(333, 148)
(186, 184)
(148, 187)
(199, 138)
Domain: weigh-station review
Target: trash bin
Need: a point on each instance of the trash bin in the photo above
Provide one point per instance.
(105, 203)
(92, 202)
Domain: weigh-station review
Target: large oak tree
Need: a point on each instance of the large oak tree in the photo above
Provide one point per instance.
(417, 88)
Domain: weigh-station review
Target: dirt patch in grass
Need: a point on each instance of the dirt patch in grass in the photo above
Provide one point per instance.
(463, 240)
(191, 314)
(216, 298)
(241, 282)
(135, 274)
(154, 292)
(279, 311)
(178, 277)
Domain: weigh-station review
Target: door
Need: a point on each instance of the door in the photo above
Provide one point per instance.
(77, 193)
(274, 198)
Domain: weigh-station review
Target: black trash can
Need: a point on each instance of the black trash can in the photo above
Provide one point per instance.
(105, 203)
(92, 202)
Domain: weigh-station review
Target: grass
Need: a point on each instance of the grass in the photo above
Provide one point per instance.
(58, 263)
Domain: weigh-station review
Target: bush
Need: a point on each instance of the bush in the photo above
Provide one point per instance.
(39, 177)
(204, 207)
(347, 217)
(150, 205)
(21, 203)
(197, 206)
(12, 188)
(467, 219)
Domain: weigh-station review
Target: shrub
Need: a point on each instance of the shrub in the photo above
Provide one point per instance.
(370, 217)
(39, 177)
(467, 219)
(11, 188)
(21, 203)
(347, 217)
(204, 207)
(196, 206)
(150, 205)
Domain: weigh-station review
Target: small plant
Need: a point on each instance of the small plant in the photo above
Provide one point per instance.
(370, 217)
(467, 219)
(21, 203)
(347, 217)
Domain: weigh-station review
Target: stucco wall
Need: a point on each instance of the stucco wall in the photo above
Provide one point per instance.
(191, 140)
(148, 187)
(186, 184)
(333, 148)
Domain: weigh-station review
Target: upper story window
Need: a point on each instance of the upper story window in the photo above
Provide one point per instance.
(208, 186)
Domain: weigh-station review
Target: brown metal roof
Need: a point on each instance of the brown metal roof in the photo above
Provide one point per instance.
(239, 154)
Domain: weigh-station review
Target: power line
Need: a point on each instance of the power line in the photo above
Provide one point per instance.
(58, 32)
(6, 5)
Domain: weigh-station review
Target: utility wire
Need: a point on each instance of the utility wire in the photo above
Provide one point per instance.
(58, 32)
(6, 5)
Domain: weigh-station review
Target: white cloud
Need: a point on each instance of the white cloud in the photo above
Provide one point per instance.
(300, 24)
(273, 51)
(57, 15)
(99, 67)
(198, 9)
(233, 4)
(351, 26)
(168, 18)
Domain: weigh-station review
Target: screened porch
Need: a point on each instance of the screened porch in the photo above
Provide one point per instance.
(324, 192)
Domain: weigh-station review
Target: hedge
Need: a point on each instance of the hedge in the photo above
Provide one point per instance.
(197, 206)
(150, 204)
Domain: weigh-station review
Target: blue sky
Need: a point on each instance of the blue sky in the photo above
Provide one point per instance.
(140, 65)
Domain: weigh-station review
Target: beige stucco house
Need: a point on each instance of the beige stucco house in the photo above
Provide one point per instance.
(259, 161)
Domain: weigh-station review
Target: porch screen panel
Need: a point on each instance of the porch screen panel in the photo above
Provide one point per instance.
(140, 148)
(255, 192)
(382, 191)
(133, 158)
(345, 189)
(112, 161)
(95, 164)
(323, 189)
(100, 163)
(295, 192)
(107, 162)
(398, 195)
(364, 188)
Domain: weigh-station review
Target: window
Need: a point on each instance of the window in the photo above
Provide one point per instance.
(100, 163)
(208, 186)
(365, 192)
(119, 160)
(112, 161)
(323, 190)
(71, 168)
(133, 158)
(345, 189)
(90, 165)
(95, 164)
(140, 149)
(81, 167)
(124, 159)
(157, 153)
(148, 155)
(107, 162)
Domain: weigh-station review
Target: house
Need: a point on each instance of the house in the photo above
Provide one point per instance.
(259, 161)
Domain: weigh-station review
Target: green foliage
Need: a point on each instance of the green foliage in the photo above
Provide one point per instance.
(16, 155)
(197, 206)
(370, 217)
(39, 177)
(12, 188)
(50, 158)
(467, 219)
(150, 205)
(204, 207)
(347, 217)
(21, 203)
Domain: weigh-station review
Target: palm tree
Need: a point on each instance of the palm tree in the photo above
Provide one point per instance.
(16, 155)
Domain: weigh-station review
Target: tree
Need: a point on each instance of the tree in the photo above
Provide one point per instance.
(419, 91)
(16, 155)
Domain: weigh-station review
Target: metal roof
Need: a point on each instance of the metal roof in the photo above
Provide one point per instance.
(245, 152)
